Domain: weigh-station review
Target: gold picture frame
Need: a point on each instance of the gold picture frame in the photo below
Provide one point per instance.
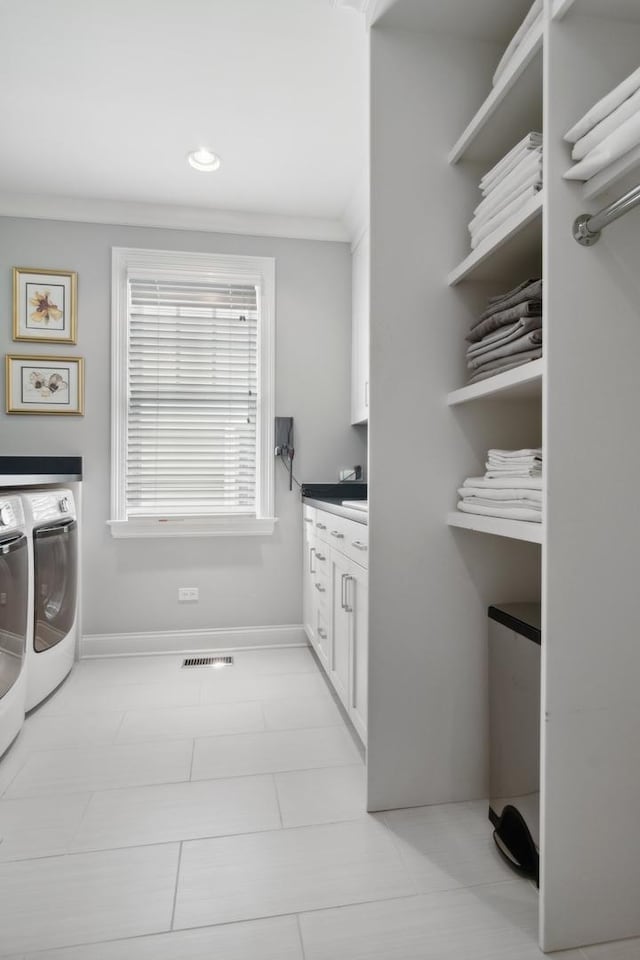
(46, 385)
(45, 305)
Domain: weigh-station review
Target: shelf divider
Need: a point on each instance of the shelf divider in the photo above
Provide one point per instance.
(497, 526)
(521, 383)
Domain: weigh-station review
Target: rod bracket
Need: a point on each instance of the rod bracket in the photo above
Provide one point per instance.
(581, 232)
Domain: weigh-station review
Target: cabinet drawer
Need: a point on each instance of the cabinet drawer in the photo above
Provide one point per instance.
(321, 587)
(321, 558)
(321, 523)
(308, 521)
(356, 543)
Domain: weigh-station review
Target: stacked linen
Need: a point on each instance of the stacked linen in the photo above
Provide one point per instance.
(511, 488)
(607, 132)
(513, 181)
(508, 333)
(531, 24)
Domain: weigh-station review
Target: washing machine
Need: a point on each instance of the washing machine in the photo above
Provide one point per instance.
(15, 607)
(52, 526)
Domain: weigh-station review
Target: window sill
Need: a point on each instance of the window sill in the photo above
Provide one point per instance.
(185, 527)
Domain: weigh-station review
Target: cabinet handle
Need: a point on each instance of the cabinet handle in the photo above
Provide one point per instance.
(342, 604)
(322, 634)
(337, 534)
(321, 526)
(320, 588)
(347, 579)
(320, 556)
(308, 520)
(366, 393)
(312, 550)
(359, 545)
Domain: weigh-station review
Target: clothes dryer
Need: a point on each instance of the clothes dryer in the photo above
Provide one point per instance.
(53, 527)
(15, 603)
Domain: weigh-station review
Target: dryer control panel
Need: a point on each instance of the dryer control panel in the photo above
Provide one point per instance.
(50, 505)
(11, 514)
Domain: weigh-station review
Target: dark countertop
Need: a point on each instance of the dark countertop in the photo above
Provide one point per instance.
(36, 471)
(329, 497)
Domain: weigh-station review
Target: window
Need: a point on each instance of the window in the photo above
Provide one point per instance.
(192, 394)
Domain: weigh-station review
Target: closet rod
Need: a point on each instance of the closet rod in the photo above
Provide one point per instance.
(587, 228)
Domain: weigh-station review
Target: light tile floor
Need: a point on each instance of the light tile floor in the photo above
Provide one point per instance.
(152, 812)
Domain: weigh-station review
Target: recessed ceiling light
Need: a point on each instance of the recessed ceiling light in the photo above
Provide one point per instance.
(203, 160)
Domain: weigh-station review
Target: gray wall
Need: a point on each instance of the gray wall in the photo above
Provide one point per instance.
(131, 585)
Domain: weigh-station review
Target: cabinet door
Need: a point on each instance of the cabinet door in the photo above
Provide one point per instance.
(357, 599)
(308, 599)
(360, 332)
(340, 628)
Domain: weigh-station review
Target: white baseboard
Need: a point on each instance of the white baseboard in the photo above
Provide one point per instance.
(191, 641)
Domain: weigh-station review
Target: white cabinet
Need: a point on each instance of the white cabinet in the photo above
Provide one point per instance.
(335, 603)
(360, 331)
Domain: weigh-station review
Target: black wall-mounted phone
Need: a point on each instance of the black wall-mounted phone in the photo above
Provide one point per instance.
(284, 444)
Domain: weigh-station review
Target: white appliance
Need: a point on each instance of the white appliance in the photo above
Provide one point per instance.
(15, 605)
(53, 528)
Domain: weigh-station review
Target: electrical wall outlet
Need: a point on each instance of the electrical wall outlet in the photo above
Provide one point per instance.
(351, 473)
(188, 594)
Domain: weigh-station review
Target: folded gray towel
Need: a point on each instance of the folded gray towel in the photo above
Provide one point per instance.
(494, 367)
(529, 308)
(526, 342)
(504, 335)
(530, 290)
(512, 293)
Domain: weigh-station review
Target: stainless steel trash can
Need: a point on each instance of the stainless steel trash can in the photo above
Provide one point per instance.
(514, 691)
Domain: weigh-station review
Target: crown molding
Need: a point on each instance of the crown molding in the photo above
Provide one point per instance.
(171, 217)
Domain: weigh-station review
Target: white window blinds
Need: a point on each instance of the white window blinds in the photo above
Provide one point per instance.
(192, 398)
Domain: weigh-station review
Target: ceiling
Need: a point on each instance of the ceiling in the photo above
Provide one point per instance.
(103, 99)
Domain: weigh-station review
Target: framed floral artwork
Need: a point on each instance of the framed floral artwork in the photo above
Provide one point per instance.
(44, 305)
(52, 385)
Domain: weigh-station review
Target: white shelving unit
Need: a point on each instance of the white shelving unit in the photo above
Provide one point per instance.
(511, 109)
(523, 383)
(582, 562)
(507, 250)
(498, 527)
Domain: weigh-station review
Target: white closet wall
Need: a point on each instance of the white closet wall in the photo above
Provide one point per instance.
(436, 127)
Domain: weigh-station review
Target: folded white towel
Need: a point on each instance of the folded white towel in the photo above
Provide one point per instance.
(512, 474)
(498, 199)
(514, 175)
(530, 142)
(602, 130)
(489, 227)
(506, 513)
(501, 493)
(530, 22)
(604, 107)
(504, 504)
(502, 483)
(515, 454)
(621, 141)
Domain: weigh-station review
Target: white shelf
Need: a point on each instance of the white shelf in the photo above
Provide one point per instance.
(523, 383)
(512, 529)
(623, 174)
(518, 94)
(513, 246)
(561, 8)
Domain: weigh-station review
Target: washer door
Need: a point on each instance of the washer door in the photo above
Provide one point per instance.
(55, 552)
(14, 579)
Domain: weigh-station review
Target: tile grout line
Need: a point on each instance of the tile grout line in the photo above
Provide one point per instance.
(175, 892)
(193, 753)
(277, 793)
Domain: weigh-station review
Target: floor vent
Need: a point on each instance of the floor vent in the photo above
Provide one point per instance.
(208, 662)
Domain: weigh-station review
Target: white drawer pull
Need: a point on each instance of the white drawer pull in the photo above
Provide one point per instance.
(359, 545)
(308, 520)
(320, 588)
(337, 534)
(322, 633)
(320, 556)
(321, 526)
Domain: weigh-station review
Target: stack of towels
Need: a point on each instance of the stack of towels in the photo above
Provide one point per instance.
(508, 333)
(607, 132)
(513, 181)
(511, 487)
(531, 24)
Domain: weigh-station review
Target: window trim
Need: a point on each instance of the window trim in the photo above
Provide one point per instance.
(147, 262)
